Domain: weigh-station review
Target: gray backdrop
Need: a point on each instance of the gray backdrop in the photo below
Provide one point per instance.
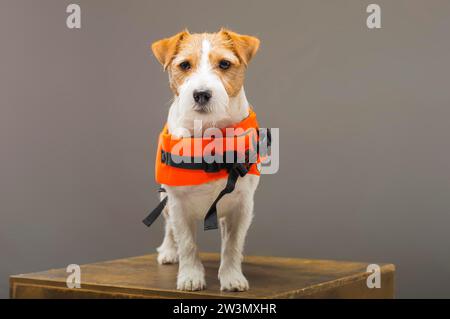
(363, 115)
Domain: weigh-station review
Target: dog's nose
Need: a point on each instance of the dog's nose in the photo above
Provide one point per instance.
(202, 97)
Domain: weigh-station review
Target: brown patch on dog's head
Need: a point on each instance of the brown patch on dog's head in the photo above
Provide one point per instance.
(228, 57)
(165, 49)
(245, 46)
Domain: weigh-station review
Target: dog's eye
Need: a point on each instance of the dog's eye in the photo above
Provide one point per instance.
(185, 65)
(224, 64)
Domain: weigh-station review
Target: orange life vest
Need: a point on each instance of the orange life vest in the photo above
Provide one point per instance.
(198, 160)
(191, 150)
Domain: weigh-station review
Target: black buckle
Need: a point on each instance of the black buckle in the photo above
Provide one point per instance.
(242, 169)
(213, 167)
(163, 157)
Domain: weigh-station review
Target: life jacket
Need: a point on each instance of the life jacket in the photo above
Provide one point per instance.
(184, 161)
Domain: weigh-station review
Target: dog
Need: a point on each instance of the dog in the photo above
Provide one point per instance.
(206, 75)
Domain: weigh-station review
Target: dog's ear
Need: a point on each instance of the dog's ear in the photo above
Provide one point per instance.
(245, 46)
(165, 49)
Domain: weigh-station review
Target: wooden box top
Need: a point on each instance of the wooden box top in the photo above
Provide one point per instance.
(269, 277)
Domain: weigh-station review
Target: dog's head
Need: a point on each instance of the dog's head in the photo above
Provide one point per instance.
(205, 70)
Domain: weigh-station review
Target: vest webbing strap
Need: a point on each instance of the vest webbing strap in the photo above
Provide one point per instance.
(186, 162)
(154, 214)
(211, 216)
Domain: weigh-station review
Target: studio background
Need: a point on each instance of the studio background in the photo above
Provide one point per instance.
(363, 115)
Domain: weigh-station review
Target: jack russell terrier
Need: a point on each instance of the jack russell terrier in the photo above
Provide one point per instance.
(206, 74)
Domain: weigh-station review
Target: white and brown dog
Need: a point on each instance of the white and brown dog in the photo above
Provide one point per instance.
(206, 75)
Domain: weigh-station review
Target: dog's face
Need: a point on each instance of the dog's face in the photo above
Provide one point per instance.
(205, 70)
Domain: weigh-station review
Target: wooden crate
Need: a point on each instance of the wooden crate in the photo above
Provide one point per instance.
(269, 277)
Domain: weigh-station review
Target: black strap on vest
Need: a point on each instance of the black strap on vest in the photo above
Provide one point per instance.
(186, 162)
(157, 211)
(240, 169)
(234, 171)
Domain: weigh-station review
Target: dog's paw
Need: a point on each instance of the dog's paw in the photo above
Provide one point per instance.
(167, 256)
(191, 280)
(233, 281)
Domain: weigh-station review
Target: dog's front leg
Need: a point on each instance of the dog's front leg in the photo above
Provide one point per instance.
(191, 274)
(234, 228)
(167, 252)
